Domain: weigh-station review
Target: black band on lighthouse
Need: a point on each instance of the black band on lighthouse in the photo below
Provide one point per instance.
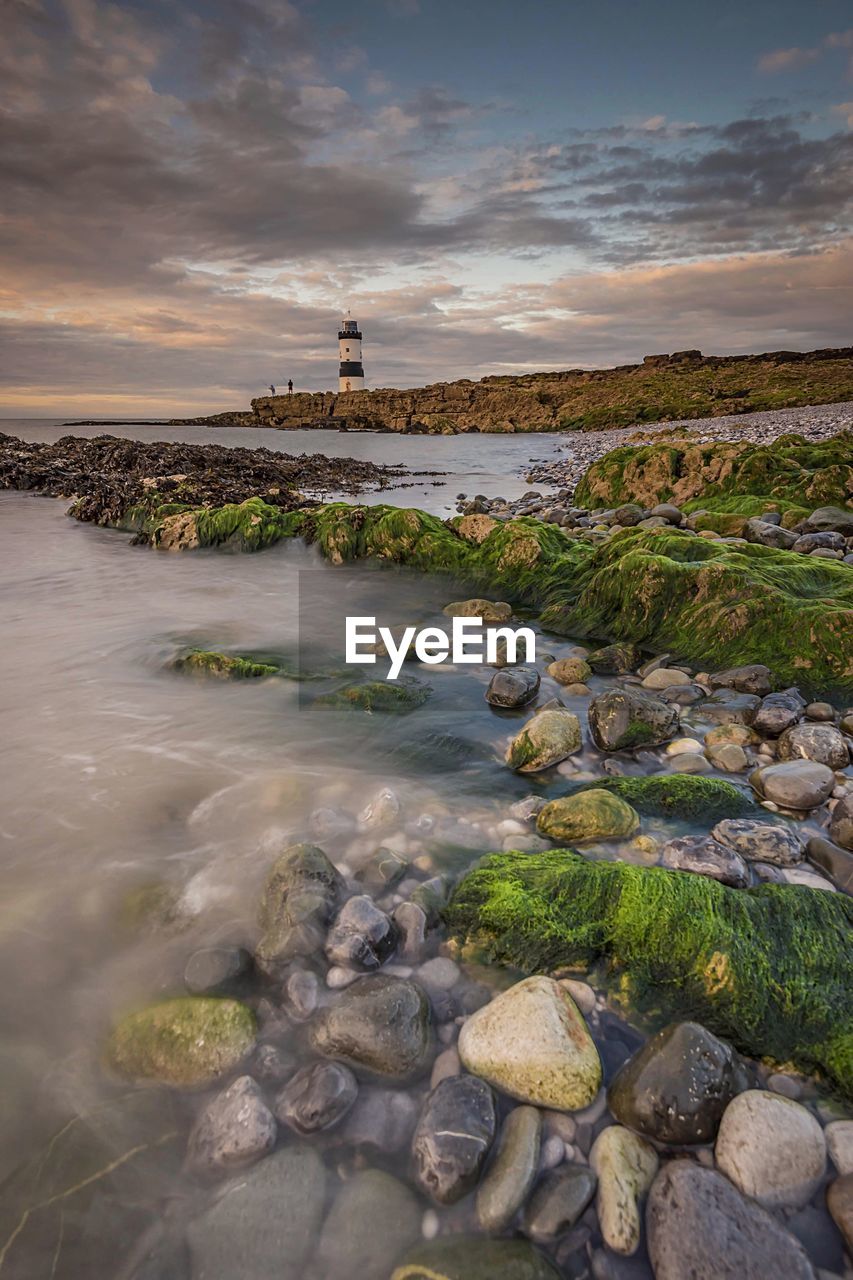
(351, 369)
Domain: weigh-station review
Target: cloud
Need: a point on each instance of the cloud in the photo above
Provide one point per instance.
(778, 60)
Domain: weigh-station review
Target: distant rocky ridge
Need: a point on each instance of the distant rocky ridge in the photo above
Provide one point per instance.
(685, 384)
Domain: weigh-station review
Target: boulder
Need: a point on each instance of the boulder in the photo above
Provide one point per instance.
(379, 1025)
(760, 841)
(453, 1137)
(587, 815)
(778, 712)
(625, 719)
(833, 518)
(821, 742)
(513, 687)
(626, 1167)
(234, 1129)
(300, 895)
(772, 1149)
(192, 1040)
(769, 535)
(795, 784)
(754, 678)
(706, 857)
(549, 737)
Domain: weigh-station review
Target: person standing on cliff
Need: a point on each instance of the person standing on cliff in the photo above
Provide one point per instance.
(272, 389)
(290, 386)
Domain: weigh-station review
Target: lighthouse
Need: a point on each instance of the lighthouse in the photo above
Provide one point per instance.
(349, 342)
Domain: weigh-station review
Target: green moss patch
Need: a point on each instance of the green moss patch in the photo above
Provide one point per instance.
(394, 698)
(190, 1040)
(223, 666)
(683, 797)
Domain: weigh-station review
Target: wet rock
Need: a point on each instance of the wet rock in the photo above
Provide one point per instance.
(614, 659)
(706, 857)
(549, 737)
(769, 535)
(754, 678)
(453, 1137)
(513, 687)
(808, 542)
(727, 706)
(431, 895)
(246, 1234)
(490, 611)
(588, 815)
(532, 1043)
(624, 719)
(188, 1041)
(382, 1120)
(820, 711)
(821, 742)
(676, 1088)
(700, 1226)
(380, 1025)
(558, 1202)
(301, 893)
(835, 861)
(234, 1129)
(839, 1202)
(626, 1167)
(439, 974)
(411, 923)
(841, 822)
(808, 877)
(665, 678)
(728, 757)
(772, 1149)
(383, 870)
(778, 712)
(833, 518)
(839, 1141)
(301, 993)
(380, 811)
(474, 1258)
(352, 1242)
(668, 512)
(361, 936)
(513, 1170)
(739, 734)
(795, 784)
(760, 841)
(570, 671)
(220, 969)
(316, 1097)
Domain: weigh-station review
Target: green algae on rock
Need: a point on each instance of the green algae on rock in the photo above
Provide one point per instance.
(223, 666)
(594, 814)
(681, 796)
(769, 969)
(474, 1258)
(395, 698)
(190, 1040)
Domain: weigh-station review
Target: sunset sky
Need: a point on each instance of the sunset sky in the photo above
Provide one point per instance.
(192, 193)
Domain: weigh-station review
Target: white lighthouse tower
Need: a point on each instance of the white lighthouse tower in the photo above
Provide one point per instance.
(351, 370)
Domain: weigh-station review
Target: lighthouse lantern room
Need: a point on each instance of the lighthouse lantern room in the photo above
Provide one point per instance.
(349, 342)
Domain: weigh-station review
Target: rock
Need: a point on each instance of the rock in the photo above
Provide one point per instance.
(246, 1234)
(808, 877)
(778, 712)
(820, 711)
(795, 784)
(546, 739)
(839, 1201)
(558, 1202)
(754, 678)
(699, 1226)
(513, 1170)
(772, 1149)
(380, 1025)
(188, 1041)
(489, 610)
(841, 822)
(739, 734)
(821, 742)
(808, 542)
(727, 706)
(728, 757)
(447, 1064)
(677, 1086)
(834, 518)
(668, 512)
(582, 994)
(453, 1137)
(760, 841)
(532, 1043)
(301, 993)
(683, 798)
(835, 861)
(474, 1258)
(513, 687)
(361, 936)
(587, 815)
(624, 719)
(316, 1097)
(570, 671)
(769, 535)
(374, 1219)
(706, 857)
(614, 659)
(439, 974)
(383, 870)
(301, 893)
(626, 1167)
(411, 922)
(217, 969)
(839, 1141)
(234, 1129)
(382, 1120)
(665, 678)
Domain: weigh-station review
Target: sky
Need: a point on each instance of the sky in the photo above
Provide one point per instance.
(192, 193)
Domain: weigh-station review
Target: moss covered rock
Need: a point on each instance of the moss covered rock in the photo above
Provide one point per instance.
(223, 666)
(474, 1258)
(549, 737)
(390, 698)
(191, 1040)
(769, 969)
(683, 797)
(595, 814)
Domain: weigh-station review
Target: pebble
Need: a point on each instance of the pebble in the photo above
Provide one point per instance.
(582, 994)
(234, 1129)
(772, 1149)
(439, 974)
(411, 922)
(512, 1171)
(682, 745)
(454, 1135)
(839, 1201)
(447, 1064)
(317, 1097)
(665, 678)
(795, 784)
(216, 969)
(558, 1202)
(553, 1152)
(839, 1141)
(626, 1167)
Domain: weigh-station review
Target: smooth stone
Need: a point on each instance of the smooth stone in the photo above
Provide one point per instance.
(301, 993)
(677, 1086)
(588, 815)
(558, 1202)
(447, 1064)
(821, 742)
(382, 871)
(626, 1166)
(191, 1040)
(489, 610)
(699, 1225)
(316, 1097)
(795, 784)
(382, 1120)
(361, 936)
(247, 1221)
(439, 974)
(753, 678)
(374, 1219)
(820, 711)
(665, 678)
(668, 512)
(474, 1258)
(839, 1202)
(808, 878)
(727, 706)
(835, 519)
(769, 535)
(760, 841)
(549, 737)
(690, 762)
(681, 745)
(778, 712)
(214, 969)
(513, 687)
(841, 822)
(839, 1141)
(411, 922)
(740, 734)
(532, 1043)
(706, 857)
(728, 757)
(614, 659)
(380, 1025)
(625, 719)
(300, 895)
(234, 1129)
(834, 860)
(772, 1149)
(453, 1137)
(569, 671)
(582, 994)
(512, 1171)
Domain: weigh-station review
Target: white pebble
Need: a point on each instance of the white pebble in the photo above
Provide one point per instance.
(429, 1225)
(338, 977)
(553, 1153)
(680, 745)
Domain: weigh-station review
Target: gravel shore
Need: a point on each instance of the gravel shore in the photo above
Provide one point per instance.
(816, 422)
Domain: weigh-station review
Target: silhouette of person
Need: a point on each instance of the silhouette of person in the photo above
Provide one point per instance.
(290, 386)
(272, 389)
